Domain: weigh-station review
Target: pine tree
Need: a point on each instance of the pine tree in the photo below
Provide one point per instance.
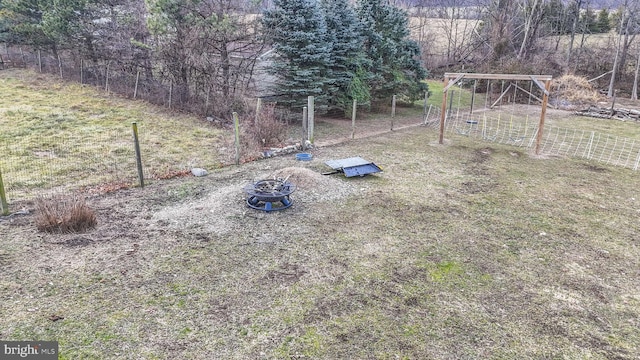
(302, 61)
(23, 24)
(394, 57)
(604, 25)
(350, 63)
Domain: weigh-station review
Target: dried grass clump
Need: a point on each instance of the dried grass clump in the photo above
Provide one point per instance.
(570, 90)
(64, 214)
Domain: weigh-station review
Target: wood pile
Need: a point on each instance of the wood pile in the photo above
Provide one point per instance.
(608, 113)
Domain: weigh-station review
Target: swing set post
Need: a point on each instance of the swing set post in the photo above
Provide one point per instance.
(443, 111)
(545, 100)
(473, 95)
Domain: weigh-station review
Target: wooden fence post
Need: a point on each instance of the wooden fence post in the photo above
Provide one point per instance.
(170, 92)
(206, 102)
(393, 110)
(106, 78)
(24, 59)
(3, 197)
(305, 129)
(136, 143)
(424, 108)
(443, 110)
(60, 66)
(258, 108)
(39, 60)
(236, 126)
(135, 89)
(311, 112)
(545, 100)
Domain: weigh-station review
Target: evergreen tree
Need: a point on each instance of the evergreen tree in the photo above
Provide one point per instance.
(298, 32)
(603, 24)
(23, 23)
(394, 57)
(349, 60)
(4, 24)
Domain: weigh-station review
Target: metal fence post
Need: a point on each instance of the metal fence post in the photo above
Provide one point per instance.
(138, 156)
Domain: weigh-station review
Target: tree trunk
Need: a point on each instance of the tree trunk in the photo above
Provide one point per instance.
(614, 72)
(224, 59)
(634, 93)
(580, 52)
(530, 29)
(576, 16)
(626, 44)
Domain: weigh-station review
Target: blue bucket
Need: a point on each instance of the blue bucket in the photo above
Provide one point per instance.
(304, 157)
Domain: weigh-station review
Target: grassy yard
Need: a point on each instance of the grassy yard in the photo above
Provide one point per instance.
(467, 250)
(462, 250)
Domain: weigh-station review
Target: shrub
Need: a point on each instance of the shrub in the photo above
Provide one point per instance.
(268, 129)
(64, 214)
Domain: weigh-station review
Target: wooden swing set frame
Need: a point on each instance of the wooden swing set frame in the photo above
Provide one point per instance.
(451, 79)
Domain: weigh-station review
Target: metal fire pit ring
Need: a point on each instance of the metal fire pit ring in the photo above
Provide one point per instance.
(269, 195)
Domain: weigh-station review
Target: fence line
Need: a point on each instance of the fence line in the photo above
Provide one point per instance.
(129, 79)
(66, 162)
(57, 163)
(556, 141)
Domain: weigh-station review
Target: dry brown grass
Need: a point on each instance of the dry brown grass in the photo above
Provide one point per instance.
(570, 91)
(64, 214)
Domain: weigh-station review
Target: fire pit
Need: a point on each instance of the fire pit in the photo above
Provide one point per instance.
(269, 195)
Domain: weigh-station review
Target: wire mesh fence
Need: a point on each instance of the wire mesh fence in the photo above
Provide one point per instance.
(66, 161)
(555, 141)
(95, 160)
